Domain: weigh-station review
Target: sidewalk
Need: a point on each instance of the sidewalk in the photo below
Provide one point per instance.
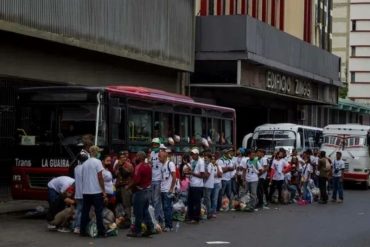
(13, 206)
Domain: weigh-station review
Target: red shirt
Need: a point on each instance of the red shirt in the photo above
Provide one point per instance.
(143, 176)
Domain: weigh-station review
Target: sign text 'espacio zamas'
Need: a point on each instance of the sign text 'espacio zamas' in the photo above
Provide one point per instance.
(286, 84)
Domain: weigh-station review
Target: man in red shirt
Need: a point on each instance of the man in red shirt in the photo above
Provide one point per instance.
(141, 184)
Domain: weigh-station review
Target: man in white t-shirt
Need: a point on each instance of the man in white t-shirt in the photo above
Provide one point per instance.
(252, 169)
(93, 191)
(167, 187)
(196, 186)
(278, 178)
(209, 183)
(156, 179)
(338, 169)
(228, 169)
(58, 186)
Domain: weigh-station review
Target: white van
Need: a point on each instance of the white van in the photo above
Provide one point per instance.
(283, 135)
(352, 140)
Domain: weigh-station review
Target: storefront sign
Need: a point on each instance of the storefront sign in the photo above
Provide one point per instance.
(286, 84)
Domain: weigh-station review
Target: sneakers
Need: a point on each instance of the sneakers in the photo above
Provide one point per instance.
(333, 200)
(63, 229)
(167, 229)
(52, 227)
(76, 230)
(339, 201)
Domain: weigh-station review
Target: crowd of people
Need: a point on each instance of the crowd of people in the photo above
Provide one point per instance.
(146, 192)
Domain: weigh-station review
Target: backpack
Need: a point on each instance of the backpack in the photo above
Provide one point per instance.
(327, 165)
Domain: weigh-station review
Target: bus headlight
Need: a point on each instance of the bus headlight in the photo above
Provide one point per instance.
(17, 178)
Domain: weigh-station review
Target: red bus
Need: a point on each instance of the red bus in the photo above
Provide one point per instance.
(51, 121)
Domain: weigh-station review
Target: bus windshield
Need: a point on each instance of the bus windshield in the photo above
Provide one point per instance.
(345, 141)
(270, 139)
(63, 124)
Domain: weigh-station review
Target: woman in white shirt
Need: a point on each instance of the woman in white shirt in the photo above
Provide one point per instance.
(108, 181)
(305, 178)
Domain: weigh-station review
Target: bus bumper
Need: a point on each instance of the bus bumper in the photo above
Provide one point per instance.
(356, 176)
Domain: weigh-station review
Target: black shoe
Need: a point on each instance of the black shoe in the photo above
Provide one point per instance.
(148, 233)
(133, 235)
(323, 202)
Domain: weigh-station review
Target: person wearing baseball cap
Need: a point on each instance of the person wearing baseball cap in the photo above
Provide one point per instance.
(93, 191)
(196, 186)
(156, 179)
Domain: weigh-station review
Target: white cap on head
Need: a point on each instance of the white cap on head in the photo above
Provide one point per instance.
(162, 146)
(195, 151)
(156, 140)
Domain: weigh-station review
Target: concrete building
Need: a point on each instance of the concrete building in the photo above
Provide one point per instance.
(308, 20)
(359, 51)
(91, 42)
(268, 75)
(341, 30)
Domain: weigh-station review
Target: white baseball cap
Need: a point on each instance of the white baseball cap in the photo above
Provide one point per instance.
(195, 151)
(156, 140)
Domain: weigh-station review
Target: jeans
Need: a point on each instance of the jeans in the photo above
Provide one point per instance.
(293, 191)
(322, 187)
(126, 197)
(167, 203)
(306, 192)
(262, 189)
(214, 197)
(252, 189)
(226, 189)
(78, 211)
(234, 187)
(52, 196)
(141, 205)
(157, 201)
(276, 184)
(97, 201)
(194, 203)
(337, 188)
(207, 199)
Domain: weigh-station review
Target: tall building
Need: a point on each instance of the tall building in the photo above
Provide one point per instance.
(359, 51)
(341, 30)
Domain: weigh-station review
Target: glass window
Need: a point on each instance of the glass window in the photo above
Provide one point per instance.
(228, 133)
(199, 129)
(163, 126)
(140, 125)
(182, 127)
(118, 126)
(215, 129)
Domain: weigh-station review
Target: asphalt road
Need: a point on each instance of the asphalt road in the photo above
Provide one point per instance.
(346, 224)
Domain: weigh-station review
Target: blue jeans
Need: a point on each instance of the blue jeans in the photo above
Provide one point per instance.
(78, 211)
(337, 188)
(157, 201)
(226, 189)
(252, 189)
(167, 203)
(214, 197)
(52, 196)
(207, 200)
(293, 191)
(306, 192)
(97, 201)
(141, 205)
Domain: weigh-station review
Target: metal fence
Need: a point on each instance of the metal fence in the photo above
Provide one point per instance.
(155, 31)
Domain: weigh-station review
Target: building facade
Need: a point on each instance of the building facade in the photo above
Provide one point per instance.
(267, 75)
(341, 31)
(308, 20)
(359, 51)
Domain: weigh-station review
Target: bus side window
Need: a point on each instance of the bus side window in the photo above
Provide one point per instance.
(118, 126)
